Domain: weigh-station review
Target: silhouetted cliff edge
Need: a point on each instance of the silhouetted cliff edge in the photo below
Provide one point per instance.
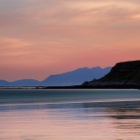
(122, 75)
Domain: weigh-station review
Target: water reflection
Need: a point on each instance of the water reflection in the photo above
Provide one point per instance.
(70, 121)
(127, 120)
(126, 113)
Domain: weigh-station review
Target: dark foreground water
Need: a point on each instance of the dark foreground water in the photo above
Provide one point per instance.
(69, 114)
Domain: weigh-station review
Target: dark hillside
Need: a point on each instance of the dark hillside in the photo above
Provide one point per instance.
(122, 75)
(124, 72)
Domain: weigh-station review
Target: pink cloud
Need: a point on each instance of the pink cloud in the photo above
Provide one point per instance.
(63, 35)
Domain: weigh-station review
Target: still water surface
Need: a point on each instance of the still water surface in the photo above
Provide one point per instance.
(69, 115)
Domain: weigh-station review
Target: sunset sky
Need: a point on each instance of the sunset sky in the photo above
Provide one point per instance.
(43, 37)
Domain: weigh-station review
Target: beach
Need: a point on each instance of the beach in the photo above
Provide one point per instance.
(69, 114)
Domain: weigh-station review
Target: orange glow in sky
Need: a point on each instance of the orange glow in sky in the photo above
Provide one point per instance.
(39, 38)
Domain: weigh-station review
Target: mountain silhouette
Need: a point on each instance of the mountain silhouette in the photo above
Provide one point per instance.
(74, 77)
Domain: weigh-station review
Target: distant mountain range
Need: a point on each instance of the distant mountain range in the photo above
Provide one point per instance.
(75, 77)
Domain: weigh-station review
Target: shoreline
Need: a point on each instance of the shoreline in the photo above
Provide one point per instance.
(72, 87)
(133, 103)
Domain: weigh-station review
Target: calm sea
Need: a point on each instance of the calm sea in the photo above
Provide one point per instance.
(69, 114)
